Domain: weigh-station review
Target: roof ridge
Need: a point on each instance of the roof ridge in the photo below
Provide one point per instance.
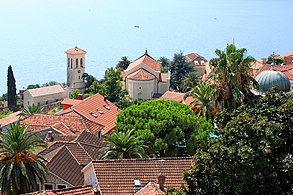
(72, 154)
(85, 150)
(144, 159)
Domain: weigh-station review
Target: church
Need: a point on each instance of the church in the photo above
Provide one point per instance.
(143, 78)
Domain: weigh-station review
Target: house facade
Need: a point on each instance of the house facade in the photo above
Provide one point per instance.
(198, 62)
(143, 78)
(43, 96)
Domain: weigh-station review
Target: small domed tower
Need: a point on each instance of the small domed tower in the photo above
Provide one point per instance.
(75, 68)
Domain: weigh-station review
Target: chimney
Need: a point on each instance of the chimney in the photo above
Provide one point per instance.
(80, 97)
(105, 98)
(161, 182)
(50, 137)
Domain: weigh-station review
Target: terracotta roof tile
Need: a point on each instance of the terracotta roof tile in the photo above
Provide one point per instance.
(43, 91)
(104, 110)
(147, 60)
(286, 69)
(290, 53)
(71, 102)
(79, 153)
(194, 56)
(71, 172)
(89, 138)
(170, 95)
(71, 125)
(163, 77)
(150, 189)
(75, 50)
(85, 190)
(117, 176)
(141, 75)
(10, 119)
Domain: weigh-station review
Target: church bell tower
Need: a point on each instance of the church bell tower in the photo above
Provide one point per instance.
(75, 68)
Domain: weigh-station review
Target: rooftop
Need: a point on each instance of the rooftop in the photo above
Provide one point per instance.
(44, 91)
(141, 75)
(117, 176)
(10, 119)
(75, 50)
(147, 60)
(85, 190)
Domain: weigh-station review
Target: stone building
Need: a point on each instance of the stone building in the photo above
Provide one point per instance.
(198, 62)
(143, 78)
(43, 96)
(75, 69)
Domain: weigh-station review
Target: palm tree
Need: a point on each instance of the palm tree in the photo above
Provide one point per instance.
(20, 168)
(123, 63)
(190, 80)
(124, 145)
(232, 76)
(30, 110)
(203, 103)
(165, 62)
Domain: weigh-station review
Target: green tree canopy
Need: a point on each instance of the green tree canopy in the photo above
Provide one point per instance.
(253, 155)
(179, 67)
(232, 76)
(20, 168)
(74, 93)
(166, 126)
(11, 90)
(123, 63)
(124, 145)
(112, 85)
(88, 79)
(33, 86)
(165, 62)
(190, 81)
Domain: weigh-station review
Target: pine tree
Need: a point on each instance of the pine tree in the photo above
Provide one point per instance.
(11, 87)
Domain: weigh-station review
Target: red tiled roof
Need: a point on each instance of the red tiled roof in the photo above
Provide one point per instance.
(68, 125)
(178, 97)
(170, 95)
(117, 176)
(286, 69)
(85, 190)
(194, 56)
(150, 189)
(10, 119)
(71, 172)
(141, 75)
(71, 102)
(163, 77)
(95, 103)
(147, 60)
(75, 50)
(43, 91)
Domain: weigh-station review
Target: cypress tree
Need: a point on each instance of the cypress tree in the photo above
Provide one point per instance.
(11, 89)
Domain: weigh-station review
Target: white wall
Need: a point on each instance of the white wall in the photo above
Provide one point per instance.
(141, 89)
(74, 74)
(28, 100)
(90, 176)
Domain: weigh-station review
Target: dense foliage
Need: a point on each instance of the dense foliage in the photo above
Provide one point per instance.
(20, 168)
(30, 110)
(74, 93)
(124, 145)
(123, 63)
(11, 90)
(253, 154)
(231, 76)
(179, 67)
(166, 126)
(165, 62)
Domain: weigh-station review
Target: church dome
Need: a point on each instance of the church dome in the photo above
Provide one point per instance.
(269, 78)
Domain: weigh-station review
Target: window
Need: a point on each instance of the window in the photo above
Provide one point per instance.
(48, 186)
(57, 100)
(81, 63)
(139, 95)
(78, 77)
(93, 114)
(47, 102)
(68, 62)
(202, 62)
(60, 186)
(76, 62)
(196, 62)
(38, 187)
(99, 134)
(107, 107)
(100, 111)
(28, 103)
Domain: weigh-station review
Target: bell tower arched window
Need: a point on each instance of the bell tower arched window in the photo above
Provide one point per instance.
(68, 62)
(81, 62)
(76, 61)
(71, 62)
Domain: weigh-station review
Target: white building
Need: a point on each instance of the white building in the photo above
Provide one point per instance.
(75, 69)
(143, 78)
(43, 96)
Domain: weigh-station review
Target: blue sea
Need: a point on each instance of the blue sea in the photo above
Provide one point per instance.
(34, 33)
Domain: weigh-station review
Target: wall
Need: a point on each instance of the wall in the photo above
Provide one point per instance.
(163, 87)
(54, 180)
(90, 176)
(42, 99)
(141, 89)
(74, 74)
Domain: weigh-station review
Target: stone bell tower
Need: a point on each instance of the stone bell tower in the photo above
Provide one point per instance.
(75, 68)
